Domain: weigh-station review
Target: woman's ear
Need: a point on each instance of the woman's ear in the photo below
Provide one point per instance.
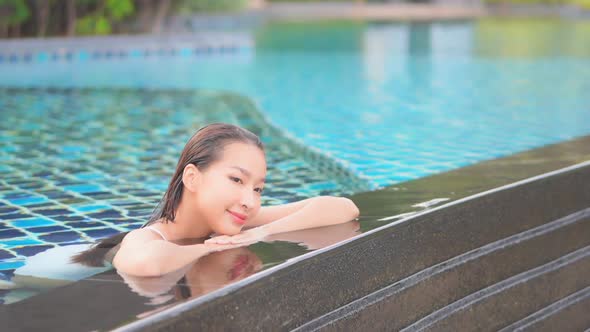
(190, 177)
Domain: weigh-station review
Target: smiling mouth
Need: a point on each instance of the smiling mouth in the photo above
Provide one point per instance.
(238, 218)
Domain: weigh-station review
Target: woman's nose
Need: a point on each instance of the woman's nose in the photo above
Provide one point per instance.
(247, 199)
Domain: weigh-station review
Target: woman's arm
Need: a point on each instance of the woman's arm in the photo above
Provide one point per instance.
(308, 213)
(143, 254)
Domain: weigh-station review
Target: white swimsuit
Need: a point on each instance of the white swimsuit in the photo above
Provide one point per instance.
(157, 231)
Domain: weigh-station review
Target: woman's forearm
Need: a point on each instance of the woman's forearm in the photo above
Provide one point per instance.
(319, 211)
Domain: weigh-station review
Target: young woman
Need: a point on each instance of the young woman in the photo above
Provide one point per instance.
(216, 190)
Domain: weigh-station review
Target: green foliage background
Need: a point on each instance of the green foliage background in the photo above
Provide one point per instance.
(99, 17)
(95, 17)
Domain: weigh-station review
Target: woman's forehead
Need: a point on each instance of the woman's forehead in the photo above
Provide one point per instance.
(245, 158)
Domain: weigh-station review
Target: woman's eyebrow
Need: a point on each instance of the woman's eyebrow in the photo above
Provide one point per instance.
(246, 172)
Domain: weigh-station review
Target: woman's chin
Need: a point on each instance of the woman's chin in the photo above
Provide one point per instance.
(229, 230)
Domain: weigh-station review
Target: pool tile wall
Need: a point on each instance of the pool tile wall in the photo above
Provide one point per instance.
(212, 44)
(78, 165)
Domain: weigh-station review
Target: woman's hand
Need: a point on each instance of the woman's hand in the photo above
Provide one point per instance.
(250, 236)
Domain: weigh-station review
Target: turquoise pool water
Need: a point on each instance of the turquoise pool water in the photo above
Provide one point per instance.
(88, 142)
(391, 102)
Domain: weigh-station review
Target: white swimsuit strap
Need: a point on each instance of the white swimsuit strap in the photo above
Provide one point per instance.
(157, 231)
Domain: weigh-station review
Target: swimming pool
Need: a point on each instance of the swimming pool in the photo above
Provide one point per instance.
(90, 140)
(381, 97)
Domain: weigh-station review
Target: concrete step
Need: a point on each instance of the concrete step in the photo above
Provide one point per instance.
(514, 298)
(404, 302)
(571, 313)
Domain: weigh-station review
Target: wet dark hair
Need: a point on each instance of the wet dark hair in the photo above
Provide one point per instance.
(203, 148)
(183, 289)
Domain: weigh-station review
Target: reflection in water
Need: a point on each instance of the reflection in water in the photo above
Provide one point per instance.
(419, 38)
(205, 275)
(220, 269)
(531, 38)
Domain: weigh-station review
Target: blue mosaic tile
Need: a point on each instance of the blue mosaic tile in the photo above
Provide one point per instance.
(6, 255)
(106, 214)
(69, 218)
(10, 265)
(75, 242)
(11, 233)
(19, 242)
(132, 226)
(135, 53)
(4, 226)
(8, 209)
(27, 200)
(185, 51)
(83, 188)
(32, 222)
(102, 233)
(42, 56)
(98, 195)
(85, 224)
(4, 275)
(92, 208)
(26, 251)
(83, 55)
(73, 149)
(52, 212)
(7, 274)
(47, 204)
(14, 195)
(47, 229)
(139, 213)
(89, 176)
(120, 220)
(58, 237)
(56, 194)
(322, 186)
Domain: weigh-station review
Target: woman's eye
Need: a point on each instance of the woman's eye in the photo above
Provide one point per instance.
(234, 179)
(258, 190)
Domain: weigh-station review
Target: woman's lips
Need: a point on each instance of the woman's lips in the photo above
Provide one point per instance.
(238, 218)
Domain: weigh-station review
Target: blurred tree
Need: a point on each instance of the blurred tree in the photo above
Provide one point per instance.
(12, 14)
(70, 17)
(161, 13)
(99, 21)
(192, 6)
(42, 13)
(151, 14)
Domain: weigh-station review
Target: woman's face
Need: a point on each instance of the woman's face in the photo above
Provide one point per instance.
(230, 189)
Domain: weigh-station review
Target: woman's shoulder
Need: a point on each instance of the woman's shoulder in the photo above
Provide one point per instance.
(139, 236)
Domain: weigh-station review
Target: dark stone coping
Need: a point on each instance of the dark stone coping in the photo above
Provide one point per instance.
(297, 291)
(462, 280)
